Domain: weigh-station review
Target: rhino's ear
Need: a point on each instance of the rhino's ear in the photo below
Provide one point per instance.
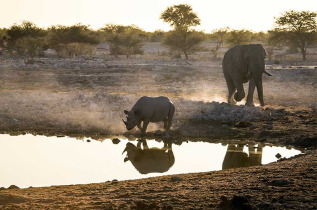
(136, 112)
(126, 112)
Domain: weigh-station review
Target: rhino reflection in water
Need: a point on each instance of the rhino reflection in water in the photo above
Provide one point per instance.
(150, 160)
(235, 157)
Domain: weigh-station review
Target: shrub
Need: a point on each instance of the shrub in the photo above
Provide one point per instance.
(30, 46)
(124, 40)
(75, 49)
(72, 34)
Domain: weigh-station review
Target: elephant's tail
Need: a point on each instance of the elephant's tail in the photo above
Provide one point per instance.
(267, 73)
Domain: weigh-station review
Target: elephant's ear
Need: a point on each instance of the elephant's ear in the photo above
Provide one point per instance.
(264, 53)
(245, 55)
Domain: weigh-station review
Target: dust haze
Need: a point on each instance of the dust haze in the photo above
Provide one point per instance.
(89, 95)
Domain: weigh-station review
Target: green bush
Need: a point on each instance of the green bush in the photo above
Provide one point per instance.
(25, 39)
(185, 43)
(30, 46)
(124, 40)
(72, 34)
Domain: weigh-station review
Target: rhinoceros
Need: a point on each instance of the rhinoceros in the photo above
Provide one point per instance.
(150, 109)
(150, 160)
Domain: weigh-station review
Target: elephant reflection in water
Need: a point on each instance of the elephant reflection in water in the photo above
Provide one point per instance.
(235, 157)
(150, 160)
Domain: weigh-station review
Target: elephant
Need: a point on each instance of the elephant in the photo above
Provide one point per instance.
(242, 64)
(235, 156)
(150, 160)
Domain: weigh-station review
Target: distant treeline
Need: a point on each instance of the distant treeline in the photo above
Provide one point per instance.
(294, 29)
(79, 39)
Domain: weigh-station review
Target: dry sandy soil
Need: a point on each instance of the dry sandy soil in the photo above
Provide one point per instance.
(87, 96)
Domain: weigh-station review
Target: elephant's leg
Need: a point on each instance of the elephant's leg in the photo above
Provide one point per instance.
(139, 145)
(145, 146)
(259, 88)
(250, 93)
(231, 90)
(165, 147)
(240, 94)
(145, 124)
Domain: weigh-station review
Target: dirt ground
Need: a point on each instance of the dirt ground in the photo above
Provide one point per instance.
(87, 96)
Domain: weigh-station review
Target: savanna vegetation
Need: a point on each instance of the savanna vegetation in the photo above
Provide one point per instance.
(295, 30)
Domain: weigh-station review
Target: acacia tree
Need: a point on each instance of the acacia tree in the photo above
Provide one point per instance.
(181, 17)
(237, 37)
(218, 36)
(295, 29)
(124, 40)
(26, 38)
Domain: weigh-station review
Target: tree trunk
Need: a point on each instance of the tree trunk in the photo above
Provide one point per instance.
(304, 55)
(186, 55)
(303, 48)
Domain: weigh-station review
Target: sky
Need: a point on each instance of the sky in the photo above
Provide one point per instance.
(256, 15)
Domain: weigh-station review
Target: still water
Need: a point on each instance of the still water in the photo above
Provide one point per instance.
(28, 160)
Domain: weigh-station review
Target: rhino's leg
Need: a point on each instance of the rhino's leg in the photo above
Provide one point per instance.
(139, 125)
(170, 117)
(165, 123)
(145, 124)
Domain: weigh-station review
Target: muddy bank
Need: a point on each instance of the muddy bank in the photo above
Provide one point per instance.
(87, 97)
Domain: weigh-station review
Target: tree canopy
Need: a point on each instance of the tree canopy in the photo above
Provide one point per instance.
(295, 29)
(124, 40)
(181, 17)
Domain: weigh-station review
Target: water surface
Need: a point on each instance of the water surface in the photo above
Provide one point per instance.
(28, 160)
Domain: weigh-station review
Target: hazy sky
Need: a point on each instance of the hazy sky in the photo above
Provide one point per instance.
(257, 15)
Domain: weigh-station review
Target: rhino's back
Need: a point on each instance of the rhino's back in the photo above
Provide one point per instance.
(154, 108)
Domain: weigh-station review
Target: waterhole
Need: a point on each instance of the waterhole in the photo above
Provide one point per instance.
(28, 160)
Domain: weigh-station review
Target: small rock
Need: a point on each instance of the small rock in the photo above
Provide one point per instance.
(224, 126)
(115, 141)
(243, 124)
(114, 181)
(237, 202)
(13, 187)
(278, 155)
(176, 179)
(264, 205)
(88, 140)
(280, 182)
(253, 126)
(158, 133)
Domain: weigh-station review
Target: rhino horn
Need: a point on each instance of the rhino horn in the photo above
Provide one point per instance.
(124, 122)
